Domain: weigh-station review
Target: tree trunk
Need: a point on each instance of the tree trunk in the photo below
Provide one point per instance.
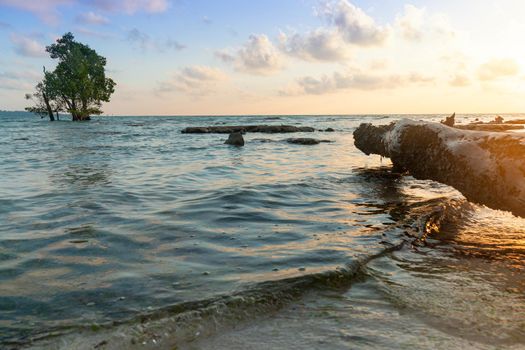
(48, 107)
(486, 167)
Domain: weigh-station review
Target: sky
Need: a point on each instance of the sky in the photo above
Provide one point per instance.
(231, 57)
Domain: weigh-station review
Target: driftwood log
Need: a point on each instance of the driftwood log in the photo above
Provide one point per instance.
(488, 168)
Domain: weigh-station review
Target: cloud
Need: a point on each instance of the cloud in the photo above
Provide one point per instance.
(318, 45)
(225, 56)
(175, 45)
(92, 18)
(416, 24)
(359, 81)
(144, 42)
(355, 26)
(46, 10)
(257, 56)
(410, 23)
(27, 46)
(498, 68)
(18, 80)
(132, 6)
(141, 39)
(207, 20)
(194, 80)
(459, 80)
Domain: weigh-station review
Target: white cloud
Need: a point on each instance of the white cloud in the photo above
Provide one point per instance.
(132, 6)
(47, 10)
(194, 80)
(257, 56)
(318, 45)
(92, 18)
(355, 26)
(498, 68)
(351, 80)
(27, 46)
(44, 9)
(416, 24)
(410, 23)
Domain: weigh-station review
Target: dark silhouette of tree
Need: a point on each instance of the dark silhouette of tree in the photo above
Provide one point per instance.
(43, 105)
(78, 85)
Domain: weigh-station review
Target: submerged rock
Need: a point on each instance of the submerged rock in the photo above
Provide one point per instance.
(235, 139)
(486, 167)
(305, 141)
(269, 129)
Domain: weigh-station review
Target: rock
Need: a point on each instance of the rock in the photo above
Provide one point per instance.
(487, 168)
(305, 141)
(498, 120)
(329, 130)
(235, 139)
(268, 129)
(449, 121)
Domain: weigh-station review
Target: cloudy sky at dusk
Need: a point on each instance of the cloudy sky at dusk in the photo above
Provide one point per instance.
(172, 57)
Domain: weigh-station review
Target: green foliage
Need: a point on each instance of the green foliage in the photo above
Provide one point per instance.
(78, 84)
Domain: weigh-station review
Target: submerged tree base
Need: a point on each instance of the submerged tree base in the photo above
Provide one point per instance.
(486, 167)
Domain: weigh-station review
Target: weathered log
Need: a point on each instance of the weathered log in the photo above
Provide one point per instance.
(488, 168)
(489, 127)
(269, 129)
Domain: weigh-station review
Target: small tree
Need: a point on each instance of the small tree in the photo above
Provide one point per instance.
(43, 105)
(78, 84)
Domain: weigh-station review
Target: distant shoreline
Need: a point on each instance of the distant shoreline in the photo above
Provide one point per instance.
(285, 115)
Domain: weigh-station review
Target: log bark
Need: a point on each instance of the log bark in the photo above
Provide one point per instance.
(488, 168)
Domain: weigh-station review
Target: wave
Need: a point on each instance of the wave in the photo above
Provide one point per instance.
(184, 322)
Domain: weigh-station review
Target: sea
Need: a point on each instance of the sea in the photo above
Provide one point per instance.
(124, 233)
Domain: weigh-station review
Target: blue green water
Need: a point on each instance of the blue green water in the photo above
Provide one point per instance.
(109, 223)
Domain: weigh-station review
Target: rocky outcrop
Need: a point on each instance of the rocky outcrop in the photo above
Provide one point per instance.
(235, 139)
(305, 141)
(486, 167)
(449, 121)
(269, 129)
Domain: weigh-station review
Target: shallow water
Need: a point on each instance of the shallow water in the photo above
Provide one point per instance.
(126, 220)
